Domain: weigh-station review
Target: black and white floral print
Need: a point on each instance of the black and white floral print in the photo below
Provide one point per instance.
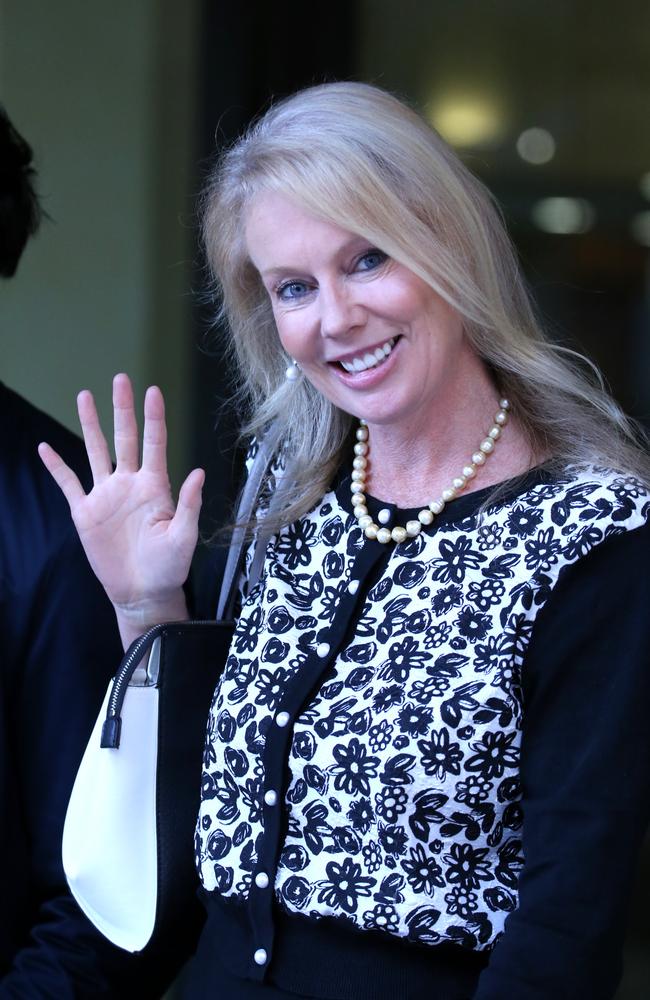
(403, 802)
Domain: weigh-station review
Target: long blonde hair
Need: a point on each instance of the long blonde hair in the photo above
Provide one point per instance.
(358, 157)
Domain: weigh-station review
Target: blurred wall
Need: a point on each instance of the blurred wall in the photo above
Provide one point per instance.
(575, 77)
(105, 94)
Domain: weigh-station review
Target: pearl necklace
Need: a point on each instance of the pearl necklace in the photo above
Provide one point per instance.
(427, 514)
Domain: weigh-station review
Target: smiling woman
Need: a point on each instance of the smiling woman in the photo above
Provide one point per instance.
(370, 335)
(426, 770)
(347, 181)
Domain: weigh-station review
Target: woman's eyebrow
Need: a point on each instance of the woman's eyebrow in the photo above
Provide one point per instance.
(349, 246)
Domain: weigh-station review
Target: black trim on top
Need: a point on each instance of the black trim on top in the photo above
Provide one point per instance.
(331, 960)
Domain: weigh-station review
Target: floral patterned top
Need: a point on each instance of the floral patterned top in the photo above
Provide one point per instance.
(363, 758)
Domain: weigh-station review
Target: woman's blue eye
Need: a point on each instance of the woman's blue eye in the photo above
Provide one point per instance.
(292, 290)
(370, 260)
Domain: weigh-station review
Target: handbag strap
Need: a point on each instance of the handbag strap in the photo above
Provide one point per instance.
(245, 507)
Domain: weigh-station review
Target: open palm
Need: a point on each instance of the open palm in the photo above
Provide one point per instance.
(138, 542)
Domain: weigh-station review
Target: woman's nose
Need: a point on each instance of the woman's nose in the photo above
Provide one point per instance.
(341, 312)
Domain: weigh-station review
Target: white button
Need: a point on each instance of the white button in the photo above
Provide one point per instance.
(262, 880)
(353, 586)
(322, 649)
(384, 515)
(260, 956)
(270, 797)
(282, 719)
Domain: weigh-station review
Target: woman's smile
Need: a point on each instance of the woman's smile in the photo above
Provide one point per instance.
(368, 359)
(367, 369)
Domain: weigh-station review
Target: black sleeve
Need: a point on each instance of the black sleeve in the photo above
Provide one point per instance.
(585, 771)
(64, 641)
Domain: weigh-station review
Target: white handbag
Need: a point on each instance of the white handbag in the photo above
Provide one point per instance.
(113, 804)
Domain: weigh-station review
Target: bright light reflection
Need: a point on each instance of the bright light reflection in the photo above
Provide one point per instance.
(466, 120)
(536, 146)
(563, 215)
(640, 228)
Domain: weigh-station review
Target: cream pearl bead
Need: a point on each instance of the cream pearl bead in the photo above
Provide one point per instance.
(425, 517)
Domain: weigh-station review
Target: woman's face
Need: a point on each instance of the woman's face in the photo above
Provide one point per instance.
(369, 334)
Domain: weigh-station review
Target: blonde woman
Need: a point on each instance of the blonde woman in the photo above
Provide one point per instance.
(426, 768)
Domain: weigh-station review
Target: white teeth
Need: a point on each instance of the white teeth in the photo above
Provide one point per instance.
(369, 360)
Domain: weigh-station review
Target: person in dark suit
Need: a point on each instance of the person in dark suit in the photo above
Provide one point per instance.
(59, 647)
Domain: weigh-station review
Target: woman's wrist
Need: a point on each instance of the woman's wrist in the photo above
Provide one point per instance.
(134, 619)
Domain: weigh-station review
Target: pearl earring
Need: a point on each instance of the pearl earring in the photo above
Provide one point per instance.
(292, 372)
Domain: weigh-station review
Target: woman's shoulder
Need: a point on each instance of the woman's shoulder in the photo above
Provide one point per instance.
(580, 494)
(552, 518)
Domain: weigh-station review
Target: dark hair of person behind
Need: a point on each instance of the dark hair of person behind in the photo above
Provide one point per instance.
(20, 212)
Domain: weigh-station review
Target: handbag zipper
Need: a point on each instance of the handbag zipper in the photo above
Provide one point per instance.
(112, 724)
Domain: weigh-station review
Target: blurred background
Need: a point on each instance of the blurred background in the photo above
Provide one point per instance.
(123, 104)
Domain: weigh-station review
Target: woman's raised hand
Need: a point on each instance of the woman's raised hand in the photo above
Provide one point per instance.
(138, 542)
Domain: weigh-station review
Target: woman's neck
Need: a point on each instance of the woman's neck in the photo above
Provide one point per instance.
(412, 462)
